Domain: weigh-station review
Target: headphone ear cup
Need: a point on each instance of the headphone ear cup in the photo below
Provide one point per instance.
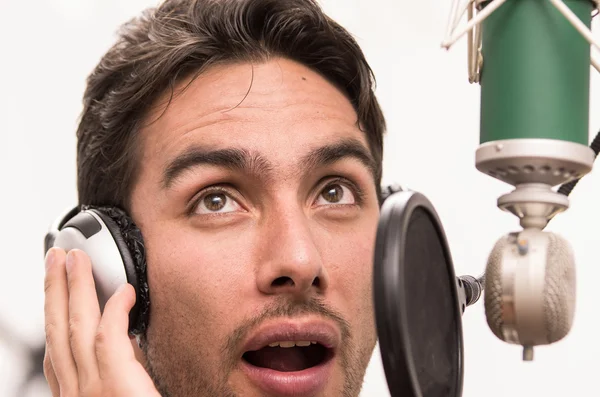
(130, 244)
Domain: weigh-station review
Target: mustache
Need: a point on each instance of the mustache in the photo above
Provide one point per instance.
(285, 307)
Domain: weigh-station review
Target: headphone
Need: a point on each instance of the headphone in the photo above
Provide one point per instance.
(115, 247)
(116, 250)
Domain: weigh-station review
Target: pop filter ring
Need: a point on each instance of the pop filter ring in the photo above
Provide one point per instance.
(389, 298)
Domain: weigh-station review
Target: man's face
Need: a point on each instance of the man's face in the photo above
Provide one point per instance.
(257, 203)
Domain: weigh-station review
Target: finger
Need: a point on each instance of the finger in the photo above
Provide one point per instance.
(113, 346)
(56, 317)
(50, 375)
(84, 316)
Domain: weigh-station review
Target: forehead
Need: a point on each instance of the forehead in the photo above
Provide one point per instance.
(278, 108)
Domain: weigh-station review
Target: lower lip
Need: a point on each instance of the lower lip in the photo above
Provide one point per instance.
(290, 384)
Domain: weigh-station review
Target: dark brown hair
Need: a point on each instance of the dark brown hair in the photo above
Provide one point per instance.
(182, 37)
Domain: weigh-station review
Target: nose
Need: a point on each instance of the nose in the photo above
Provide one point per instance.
(291, 261)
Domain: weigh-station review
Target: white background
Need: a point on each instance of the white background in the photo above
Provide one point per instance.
(47, 48)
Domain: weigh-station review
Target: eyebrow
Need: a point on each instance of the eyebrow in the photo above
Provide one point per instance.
(255, 164)
(230, 158)
(347, 148)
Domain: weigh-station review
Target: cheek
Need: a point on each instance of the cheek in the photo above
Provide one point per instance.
(348, 253)
(350, 266)
(348, 259)
(196, 272)
(351, 286)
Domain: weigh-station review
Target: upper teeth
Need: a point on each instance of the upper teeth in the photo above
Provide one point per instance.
(292, 343)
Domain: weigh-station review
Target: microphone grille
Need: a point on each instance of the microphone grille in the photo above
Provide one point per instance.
(493, 288)
(558, 300)
(560, 286)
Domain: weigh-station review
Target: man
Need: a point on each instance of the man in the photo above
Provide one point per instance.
(244, 139)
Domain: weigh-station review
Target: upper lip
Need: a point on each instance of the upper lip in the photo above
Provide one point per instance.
(287, 330)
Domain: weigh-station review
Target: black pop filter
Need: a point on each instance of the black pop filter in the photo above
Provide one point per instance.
(417, 306)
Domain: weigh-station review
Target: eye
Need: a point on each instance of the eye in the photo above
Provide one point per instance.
(336, 193)
(216, 202)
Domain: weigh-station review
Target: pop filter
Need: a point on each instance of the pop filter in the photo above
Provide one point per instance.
(417, 304)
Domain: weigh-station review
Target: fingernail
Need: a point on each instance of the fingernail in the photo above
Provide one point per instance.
(120, 289)
(50, 258)
(70, 261)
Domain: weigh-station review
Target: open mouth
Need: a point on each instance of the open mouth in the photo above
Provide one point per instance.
(289, 356)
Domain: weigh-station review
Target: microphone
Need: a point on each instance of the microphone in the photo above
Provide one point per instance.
(532, 61)
(530, 289)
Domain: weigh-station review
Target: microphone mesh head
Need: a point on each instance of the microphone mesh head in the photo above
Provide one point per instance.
(558, 300)
(493, 288)
(559, 288)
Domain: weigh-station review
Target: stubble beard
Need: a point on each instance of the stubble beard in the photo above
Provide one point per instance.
(186, 375)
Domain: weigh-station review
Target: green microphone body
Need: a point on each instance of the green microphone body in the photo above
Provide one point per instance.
(535, 96)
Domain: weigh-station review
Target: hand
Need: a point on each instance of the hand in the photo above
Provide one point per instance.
(88, 354)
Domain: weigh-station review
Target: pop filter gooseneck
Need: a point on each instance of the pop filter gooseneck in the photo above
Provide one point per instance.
(417, 305)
